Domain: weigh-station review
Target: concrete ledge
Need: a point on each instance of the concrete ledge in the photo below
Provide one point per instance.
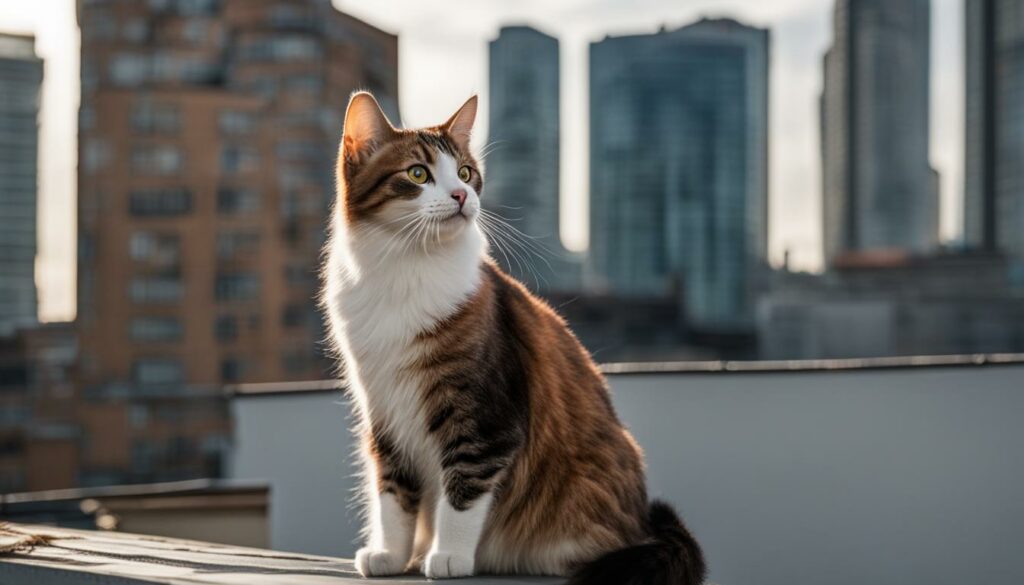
(920, 362)
(44, 555)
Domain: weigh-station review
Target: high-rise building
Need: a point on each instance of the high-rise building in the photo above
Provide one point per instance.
(21, 76)
(994, 193)
(207, 136)
(679, 167)
(879, 190)
(523, 158)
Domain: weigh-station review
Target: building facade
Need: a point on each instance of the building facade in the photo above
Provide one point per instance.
(679, 166)
(208, 131)
(878, 188)
(21, 76)
(523, 160)
(994, 177)
(39, 434)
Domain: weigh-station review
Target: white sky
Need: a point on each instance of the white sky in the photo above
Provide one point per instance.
(443, 59)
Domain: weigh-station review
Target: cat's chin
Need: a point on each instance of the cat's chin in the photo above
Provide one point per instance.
(451, 228)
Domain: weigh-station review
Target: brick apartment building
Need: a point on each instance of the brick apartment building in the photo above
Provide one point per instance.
(39, 432)
(207, 134)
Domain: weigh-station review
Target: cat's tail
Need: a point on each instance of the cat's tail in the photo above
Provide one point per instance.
(671, 556)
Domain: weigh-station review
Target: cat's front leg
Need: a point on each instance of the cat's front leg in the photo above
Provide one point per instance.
(457, 533)
(393, 501)
(471, 474)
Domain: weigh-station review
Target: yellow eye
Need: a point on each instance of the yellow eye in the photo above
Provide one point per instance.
(418, 174)
(465, 174)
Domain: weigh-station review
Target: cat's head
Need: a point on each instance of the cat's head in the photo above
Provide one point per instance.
(415, 184)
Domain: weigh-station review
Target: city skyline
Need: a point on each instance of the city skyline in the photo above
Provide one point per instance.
(458, 42)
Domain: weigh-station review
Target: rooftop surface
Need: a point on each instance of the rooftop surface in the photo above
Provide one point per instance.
(44, 555)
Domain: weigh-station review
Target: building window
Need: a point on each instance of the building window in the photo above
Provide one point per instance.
(130, 69)
(150, 202)
(293, 150)
(233, 244)
(157, 159)
(240, 286)
(239, 159)
(304, 84)
(282, 48)
(155, 329)
(231, 370)
(157, 249)
(135, 30)
(86, 118)
(225, 328)
(196, 31)
(294, 362)
(236, 122)
(197, 7)
(264, 87)
(155, 118)
(138, 416)
(184, 68)
(286, 16)
(95, 154)
(231, 200)
(98, 25)
(294, 315)
(155, 289)
(295, 178)
(299, 275)
(158, 372)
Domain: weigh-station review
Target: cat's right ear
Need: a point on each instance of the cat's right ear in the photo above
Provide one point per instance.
(366, 127)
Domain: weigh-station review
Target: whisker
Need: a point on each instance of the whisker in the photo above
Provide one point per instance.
(522, 255)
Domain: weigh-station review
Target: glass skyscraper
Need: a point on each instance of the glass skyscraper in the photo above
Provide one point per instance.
(679, 167)
(523, 159)
(21, 76)
(879, 190)
(994, 190)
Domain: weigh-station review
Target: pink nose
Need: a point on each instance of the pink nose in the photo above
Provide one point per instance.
(460, 196)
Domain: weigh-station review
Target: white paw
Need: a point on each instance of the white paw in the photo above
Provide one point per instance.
(379, 563)
(447, 565)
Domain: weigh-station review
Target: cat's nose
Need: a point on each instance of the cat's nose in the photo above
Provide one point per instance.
(460, 196)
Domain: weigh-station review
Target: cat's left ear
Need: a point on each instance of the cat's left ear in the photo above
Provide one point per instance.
(366, 126)
(460, 125)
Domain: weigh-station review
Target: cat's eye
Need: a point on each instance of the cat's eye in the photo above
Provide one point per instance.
(465, 174)
(418, 174)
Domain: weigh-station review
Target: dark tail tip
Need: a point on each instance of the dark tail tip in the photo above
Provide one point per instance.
(671, 556)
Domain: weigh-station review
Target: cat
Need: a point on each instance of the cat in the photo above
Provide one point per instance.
(489, 441)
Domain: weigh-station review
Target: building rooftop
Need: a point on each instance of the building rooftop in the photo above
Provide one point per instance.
(17, 46)
(56, 556)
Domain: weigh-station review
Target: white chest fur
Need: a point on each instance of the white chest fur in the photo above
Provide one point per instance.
(378, 305)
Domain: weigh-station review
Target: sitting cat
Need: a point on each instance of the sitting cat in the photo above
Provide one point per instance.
(488, 435)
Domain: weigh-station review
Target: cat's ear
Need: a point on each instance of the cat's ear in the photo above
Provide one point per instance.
(460, 125)
(366, 126)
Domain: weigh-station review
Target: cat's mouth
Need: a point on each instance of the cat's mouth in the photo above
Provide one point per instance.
(460, 214)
